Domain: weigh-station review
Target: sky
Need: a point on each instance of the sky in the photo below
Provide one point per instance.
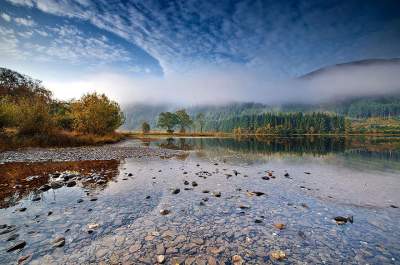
(200, 51)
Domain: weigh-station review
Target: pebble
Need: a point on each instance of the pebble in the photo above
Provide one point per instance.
(164, 212)
(58, 242)
(237, 260)
(278, 255)
(160, 259)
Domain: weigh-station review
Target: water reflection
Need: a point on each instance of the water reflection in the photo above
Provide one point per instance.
(19, 180)
(373, 147)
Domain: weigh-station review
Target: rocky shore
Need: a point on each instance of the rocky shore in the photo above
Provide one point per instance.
(106, 152)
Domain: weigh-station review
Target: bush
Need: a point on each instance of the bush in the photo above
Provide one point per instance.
(7, 114)
(33, 117)
(96, 114)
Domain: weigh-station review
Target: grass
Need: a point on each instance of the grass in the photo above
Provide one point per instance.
(10, 139)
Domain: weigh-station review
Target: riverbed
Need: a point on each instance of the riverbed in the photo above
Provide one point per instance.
(203, 201)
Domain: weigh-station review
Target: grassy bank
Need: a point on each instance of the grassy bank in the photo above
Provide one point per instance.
(9, 139)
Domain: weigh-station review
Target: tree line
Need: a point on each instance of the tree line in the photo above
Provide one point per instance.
(264, 123)
(27, 107)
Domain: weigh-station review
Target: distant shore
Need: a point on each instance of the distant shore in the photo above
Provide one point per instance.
(155, 134)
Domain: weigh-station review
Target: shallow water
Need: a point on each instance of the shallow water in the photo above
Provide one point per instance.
(344, 177)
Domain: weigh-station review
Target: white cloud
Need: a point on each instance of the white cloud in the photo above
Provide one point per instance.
(24, 22)
(6, 17)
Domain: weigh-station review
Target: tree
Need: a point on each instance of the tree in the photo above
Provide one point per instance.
(184, 119)
(96, 114)
(33, 117)
(168, 120)
(201, 120)
(145, 127)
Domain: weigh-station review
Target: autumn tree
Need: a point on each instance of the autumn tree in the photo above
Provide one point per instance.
(145, 127)
(168, 120)
(184, 120)
(96, 114)
(33, 117)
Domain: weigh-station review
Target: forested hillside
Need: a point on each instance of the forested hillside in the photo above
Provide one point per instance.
(218, 117)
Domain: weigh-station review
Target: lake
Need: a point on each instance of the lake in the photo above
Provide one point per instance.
(217, 201)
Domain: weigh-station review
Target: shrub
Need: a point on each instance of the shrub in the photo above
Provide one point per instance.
(33, 117)
(96, 114)
(7, 113)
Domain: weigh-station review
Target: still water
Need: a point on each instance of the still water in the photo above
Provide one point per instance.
(234, 196)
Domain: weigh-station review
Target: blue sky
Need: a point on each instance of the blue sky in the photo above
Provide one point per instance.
(74, 43)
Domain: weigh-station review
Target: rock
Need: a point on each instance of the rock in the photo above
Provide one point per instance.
(202, 204)
(237, 260)
(45, 187)
(340, 220)
(205, 191)
(235, 172)
(278, 255)
(307, 173)
(258, 221)
(194, 184)
(56, 185)
(93, 199)
(186, 182)
(130, 175)
(279, 226)
(12, 237)
(160, 259)
(36, 198)
(30, 178)
(244, 206)
(286, 174)
(23, 209)
(3, 226)
(8, 230)
(49, 213)
(302, 235)
(58, 242)
(79, 201)
(304, 205)
(19, 245)
(164, 212)
(216, 194)
(175, 191)
(256, 193)
(22, 259)
(265, 178)
(394, 206)
(148, 197)
(93, 226)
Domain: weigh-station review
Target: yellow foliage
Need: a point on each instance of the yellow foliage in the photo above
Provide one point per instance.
(96, 114)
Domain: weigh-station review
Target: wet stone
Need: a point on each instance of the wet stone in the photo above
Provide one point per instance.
(19, 245)
(58, 242)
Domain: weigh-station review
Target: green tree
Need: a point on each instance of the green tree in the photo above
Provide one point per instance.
(201, 120)
(145, 127)
(168, 120)
(184, 120)
(96, 114)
